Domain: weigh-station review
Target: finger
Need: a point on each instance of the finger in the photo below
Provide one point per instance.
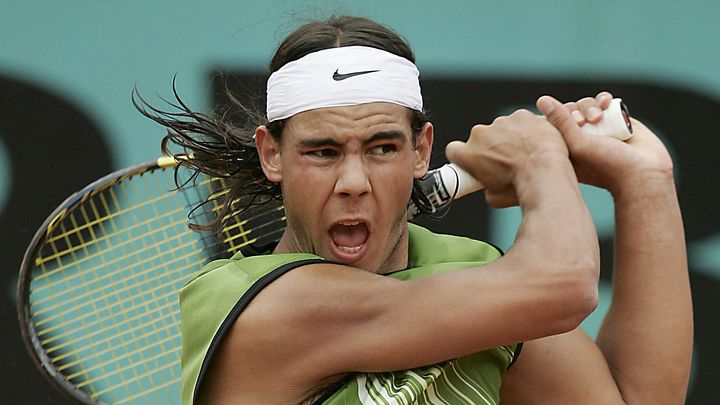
(558, 115)
(588, 106)
(571, 105)
(603, 99)
(453, 151)
(579, 117)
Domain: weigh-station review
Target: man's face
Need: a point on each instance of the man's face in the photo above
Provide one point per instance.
(346, 175)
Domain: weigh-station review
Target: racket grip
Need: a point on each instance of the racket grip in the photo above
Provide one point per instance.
(615, 123)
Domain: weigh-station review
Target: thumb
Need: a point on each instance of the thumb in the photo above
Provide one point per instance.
(453, 151)
(558, 115)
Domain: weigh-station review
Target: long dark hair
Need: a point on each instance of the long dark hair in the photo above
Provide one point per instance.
(217, 146)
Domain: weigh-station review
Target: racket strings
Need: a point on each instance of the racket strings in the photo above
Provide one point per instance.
(162, 387)
(104, 264)
(125, 276)
(149, 338)
(129, 366)
(67, 240)
(130, 342)
(86, 373)
(242, 232)
(91, 316)
(108, 237)
(104, 298)
(97, 261)
(100, 218)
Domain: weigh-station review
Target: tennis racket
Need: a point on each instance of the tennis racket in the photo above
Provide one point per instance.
(440, 186)
(98, 286)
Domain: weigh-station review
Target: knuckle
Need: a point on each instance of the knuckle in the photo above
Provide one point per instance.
(499, 120)
(522, 113)
(477, 128)
(603, 93)
(477, 132)
(586, 103)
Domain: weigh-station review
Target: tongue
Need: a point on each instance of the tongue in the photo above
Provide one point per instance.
(349, 235)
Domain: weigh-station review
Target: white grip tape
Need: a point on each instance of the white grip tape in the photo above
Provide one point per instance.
(457, 181)
(613, 124)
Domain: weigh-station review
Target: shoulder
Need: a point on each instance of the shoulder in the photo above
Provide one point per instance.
(238, 272)
(222, 287)
(214, 296)
(251, 265)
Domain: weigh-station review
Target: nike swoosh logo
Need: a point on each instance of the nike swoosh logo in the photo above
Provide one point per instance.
(342, 76)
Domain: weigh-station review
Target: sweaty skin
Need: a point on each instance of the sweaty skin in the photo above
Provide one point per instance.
(630, 362)
(353, 167)
(346, 176)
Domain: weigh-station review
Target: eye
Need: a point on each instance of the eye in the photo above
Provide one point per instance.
(323, 153)
(383, 149)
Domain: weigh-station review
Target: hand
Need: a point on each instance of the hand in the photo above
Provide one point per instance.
(497, 154)
(590, 110)
(604, 161)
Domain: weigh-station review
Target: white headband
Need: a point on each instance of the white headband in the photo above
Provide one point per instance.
(344, 76)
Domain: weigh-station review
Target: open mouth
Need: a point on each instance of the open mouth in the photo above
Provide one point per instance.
(349, 239)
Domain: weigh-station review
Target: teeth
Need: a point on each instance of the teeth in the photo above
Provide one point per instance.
(348, 249)
(349, 223)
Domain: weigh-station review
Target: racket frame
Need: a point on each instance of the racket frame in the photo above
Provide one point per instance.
(27, 328)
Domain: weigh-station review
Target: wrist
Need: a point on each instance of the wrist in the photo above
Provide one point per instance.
(542, 171)
(643, 185)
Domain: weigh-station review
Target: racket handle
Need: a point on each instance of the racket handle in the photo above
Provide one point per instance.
(615, 123)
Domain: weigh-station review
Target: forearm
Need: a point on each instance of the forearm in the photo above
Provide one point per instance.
(556, 250)
(556, 220)
(647, 334)
(546, 284)
(553, 265)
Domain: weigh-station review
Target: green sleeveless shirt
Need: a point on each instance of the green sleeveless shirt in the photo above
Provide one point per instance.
(213, 299)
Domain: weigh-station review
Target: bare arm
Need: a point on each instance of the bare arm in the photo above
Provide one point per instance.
(551, 282)
(643, 351)
(320, 321)
(647, 334)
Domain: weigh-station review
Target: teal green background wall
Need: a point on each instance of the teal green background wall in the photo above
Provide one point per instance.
(94, 52)
(91, 53)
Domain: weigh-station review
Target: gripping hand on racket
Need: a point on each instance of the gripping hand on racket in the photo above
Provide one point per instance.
(499, 154)
(651, 310)
(604, 161)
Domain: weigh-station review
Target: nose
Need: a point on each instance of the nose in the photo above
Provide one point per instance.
(353, 179)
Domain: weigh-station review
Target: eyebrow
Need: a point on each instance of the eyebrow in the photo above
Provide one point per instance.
(327, 141)
(386, 136)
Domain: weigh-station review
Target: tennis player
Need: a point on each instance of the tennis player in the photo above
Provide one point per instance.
(355, 305)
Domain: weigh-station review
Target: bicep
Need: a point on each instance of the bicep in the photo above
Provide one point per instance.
(565, 368)
(341, 319)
